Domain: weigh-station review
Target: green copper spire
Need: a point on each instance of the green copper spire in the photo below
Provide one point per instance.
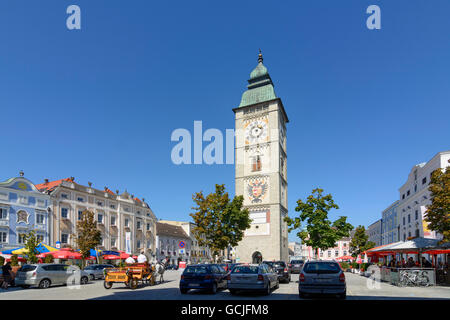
(260, 87)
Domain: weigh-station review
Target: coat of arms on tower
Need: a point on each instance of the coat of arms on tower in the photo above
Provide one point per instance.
(257, 190)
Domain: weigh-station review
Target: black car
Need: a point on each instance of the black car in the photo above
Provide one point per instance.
(282, 270)
(296, 266)
(203, 276)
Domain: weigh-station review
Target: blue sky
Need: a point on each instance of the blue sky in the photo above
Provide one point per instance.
(100, 103)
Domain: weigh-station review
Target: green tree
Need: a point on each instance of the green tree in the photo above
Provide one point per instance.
(320, 232)
(220, 222)
(88, 236)
(14, 260)
(49, 259)
(359, 242)
(31, 243)
(437, 214)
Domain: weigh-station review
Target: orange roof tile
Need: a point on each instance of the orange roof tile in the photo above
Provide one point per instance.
(49, 186)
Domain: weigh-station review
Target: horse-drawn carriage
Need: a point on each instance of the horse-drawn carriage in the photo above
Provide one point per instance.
(130, 275)
(134, 273)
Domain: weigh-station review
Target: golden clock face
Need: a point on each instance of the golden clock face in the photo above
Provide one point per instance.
(256, 131)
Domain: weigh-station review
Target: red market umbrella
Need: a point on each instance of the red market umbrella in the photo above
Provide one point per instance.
(121, 256)
(346, 258)
(64, 253)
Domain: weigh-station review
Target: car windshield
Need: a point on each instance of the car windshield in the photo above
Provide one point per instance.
(246, 269)
(27, 268)
(196, 269)
(280, 264)
(296, 262)
(321, 267)
(89, 268)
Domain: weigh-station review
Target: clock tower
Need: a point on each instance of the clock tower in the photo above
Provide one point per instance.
(261, 175)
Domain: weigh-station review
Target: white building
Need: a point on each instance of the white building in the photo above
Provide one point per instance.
(172, 242)
(390, 227)
(341, 248)
(118, 216)
(415, 196)
(375, 231)
(197, 254)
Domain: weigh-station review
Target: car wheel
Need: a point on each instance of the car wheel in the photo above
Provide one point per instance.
(107, 284)
(92, 277)
(214, 288)
(84, 280)
(184, 291)
(267, 290)
(44, 284)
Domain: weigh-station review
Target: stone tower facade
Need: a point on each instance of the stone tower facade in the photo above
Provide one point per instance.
(261, 174)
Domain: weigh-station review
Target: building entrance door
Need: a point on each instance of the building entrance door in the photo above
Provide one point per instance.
(257, 257)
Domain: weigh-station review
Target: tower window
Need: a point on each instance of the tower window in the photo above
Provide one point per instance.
(256, 163)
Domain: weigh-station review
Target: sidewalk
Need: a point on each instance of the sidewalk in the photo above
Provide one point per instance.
(359, 287)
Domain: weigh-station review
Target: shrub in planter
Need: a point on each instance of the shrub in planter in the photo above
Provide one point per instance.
(355, 265)
(49, 259)
(345, 266)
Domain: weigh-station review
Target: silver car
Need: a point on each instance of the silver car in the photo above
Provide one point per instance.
(296, 266)
(96, 271)
(48, 274)
(322, 277)
(252, 277)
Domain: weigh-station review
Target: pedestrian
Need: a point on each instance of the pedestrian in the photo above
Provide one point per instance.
(6, 269)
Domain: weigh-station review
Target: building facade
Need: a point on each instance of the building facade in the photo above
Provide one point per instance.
(261, 169)
(126, 222)
(22, 209)
(295, 249)
(341, 248)
(197, 253)
(390, 227)
(168, 239)
(375, 231)
(415, 196)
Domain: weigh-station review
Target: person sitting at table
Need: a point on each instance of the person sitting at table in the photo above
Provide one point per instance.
(425, 263)
(393, 263)
(410, 263)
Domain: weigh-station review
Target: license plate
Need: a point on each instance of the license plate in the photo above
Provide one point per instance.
(323, 280)
(194, 284)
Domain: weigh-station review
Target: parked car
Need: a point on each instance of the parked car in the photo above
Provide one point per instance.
(281, 269)
(251, 277)
(211, 277)
(296, 266)
(96, 271)
(48, 274)
(322, 277)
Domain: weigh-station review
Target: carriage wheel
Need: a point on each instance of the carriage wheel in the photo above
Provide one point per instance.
(107, 284)
(133, 284)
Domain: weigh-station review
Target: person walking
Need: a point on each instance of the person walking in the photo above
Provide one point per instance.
(6, 269)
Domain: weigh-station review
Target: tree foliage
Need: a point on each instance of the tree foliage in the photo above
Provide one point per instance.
(31, 243)
(438, 213)
(359, 242)
(49, 259)
(320, 232)
(220, 222)
(88, 236)
(14, 260)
